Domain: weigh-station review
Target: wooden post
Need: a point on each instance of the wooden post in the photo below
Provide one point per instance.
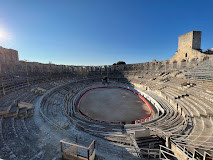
(88, 153)
(61, 147)
(76, 141)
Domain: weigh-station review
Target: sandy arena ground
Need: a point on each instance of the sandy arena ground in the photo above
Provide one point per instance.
(113, 104)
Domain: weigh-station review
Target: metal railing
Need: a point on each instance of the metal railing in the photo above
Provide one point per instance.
(70, 150)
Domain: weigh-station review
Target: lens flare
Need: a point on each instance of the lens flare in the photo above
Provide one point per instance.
(6, 37)
(3, 35)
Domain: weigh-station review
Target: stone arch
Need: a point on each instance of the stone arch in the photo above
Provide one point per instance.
(142, 67)
(193, 61)
(138, 67)
(146, 65)
(183, 63)
(174, 64)
(205, 58)
(153, 66)
(159, 65)
(167, 64)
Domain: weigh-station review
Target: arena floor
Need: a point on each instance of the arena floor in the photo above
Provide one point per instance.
(112, 105)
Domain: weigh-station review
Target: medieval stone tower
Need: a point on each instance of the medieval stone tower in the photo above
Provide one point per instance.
(189, 48)
(188, 41)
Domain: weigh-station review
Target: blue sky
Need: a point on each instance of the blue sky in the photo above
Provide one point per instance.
(99, 32)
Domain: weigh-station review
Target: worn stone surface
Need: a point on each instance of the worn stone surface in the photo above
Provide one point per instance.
(189, 48)
(8, 59)
(189, 53)
(113, 104)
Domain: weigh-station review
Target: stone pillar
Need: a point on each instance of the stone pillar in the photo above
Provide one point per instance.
(40, 67)
(32, 67)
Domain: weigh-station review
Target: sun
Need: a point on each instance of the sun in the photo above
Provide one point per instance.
(3, 34)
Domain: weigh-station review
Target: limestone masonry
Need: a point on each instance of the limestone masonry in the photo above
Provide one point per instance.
(189, 52)
(153, 110)
(8, 58)
(189, 48)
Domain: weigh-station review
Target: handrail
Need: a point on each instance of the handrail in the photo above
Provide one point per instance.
(73, 144)
(86, 153)
(182, 149)
(172, 151)
(91, 144)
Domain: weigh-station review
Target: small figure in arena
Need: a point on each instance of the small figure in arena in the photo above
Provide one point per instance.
(104, 81)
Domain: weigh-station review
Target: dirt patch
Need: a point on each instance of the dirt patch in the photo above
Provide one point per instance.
(113, 104)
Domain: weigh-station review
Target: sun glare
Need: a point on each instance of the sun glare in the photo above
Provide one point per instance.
(3, 35)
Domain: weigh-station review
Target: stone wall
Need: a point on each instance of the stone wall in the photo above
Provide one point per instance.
(8, 59)
(188, 53)
(190, 40)
(185, 42)
(196, 43)
(189, 48)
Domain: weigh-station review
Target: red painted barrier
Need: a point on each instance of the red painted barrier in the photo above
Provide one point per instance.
(133, 122)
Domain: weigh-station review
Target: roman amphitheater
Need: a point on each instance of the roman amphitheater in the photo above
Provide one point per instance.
(152, 110)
